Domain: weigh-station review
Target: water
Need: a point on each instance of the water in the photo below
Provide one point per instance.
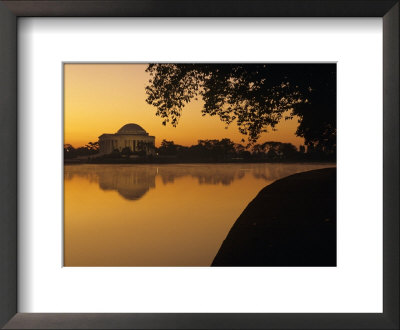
(158, 215)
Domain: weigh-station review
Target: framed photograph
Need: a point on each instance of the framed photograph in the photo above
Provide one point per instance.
(166, 177)
(199, 164)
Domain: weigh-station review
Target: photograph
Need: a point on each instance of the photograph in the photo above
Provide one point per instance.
(199, 164)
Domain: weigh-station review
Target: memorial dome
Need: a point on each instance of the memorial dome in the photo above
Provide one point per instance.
(132, 129)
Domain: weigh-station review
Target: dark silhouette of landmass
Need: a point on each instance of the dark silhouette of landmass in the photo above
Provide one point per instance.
(291, 222)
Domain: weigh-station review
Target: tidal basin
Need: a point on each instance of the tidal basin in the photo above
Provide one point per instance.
(158, 215)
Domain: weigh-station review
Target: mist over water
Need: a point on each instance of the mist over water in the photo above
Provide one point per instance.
(158, 215)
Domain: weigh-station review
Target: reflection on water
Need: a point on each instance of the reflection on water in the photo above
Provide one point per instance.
(158, 215)
(133, 181)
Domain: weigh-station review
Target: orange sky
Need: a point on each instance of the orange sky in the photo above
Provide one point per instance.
(101, 98)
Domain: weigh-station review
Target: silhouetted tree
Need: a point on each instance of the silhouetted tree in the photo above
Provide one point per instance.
(275, 151)
(69, 151)
(126, 151)
(167, 148)
(255, 96)
(89, 149)
(93, 146)
(115, 154)
(241, 151)
(146, 146)
(215, 150)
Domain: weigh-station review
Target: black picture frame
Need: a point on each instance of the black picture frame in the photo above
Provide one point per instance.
(9, 13)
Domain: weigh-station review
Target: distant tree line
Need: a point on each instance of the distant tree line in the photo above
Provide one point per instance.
(227, 150)
(90, 149)
(223, 150)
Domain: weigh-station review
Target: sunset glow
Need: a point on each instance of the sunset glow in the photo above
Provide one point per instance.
(101, 98)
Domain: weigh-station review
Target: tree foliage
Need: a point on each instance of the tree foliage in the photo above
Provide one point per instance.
(275, 151)
(255, 96)
(89, 149)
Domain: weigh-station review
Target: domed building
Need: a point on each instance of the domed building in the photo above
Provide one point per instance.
(130, 136)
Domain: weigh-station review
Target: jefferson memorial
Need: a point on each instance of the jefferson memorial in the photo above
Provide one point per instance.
(130, 135)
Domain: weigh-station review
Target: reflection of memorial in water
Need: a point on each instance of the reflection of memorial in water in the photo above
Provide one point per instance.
(132, 182)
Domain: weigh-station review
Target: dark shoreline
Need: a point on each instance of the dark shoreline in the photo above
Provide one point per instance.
(162, 162)
(290, 223)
